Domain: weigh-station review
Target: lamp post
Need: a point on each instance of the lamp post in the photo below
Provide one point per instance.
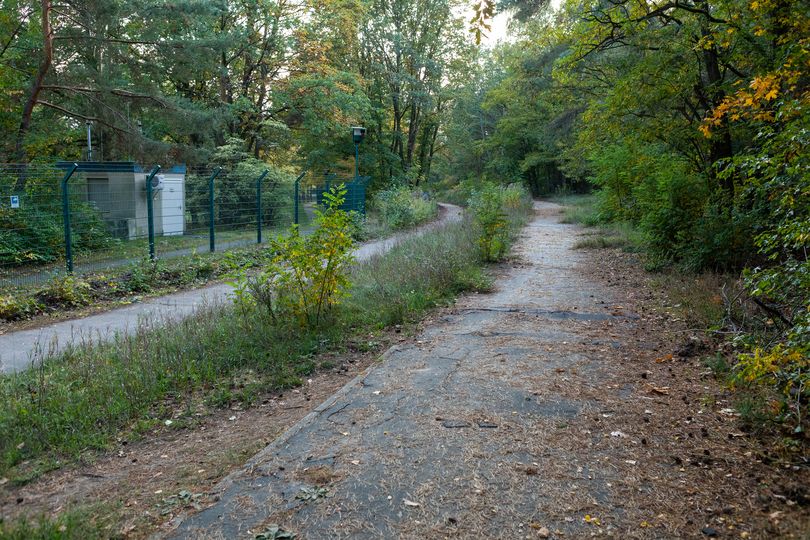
(357, 136)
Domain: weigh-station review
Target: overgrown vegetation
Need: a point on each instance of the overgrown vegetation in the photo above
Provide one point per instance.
(63, 293)
(306, 276)
(400, 207)
(691, 120)
(33, 234)
(497, 210)
(79, 400)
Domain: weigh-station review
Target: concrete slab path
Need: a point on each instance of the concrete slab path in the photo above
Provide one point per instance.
(470, 432)
(20, 350)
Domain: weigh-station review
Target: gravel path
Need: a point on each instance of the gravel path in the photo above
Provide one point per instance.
(20, 350)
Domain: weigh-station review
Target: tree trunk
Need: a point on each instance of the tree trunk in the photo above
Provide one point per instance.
(431, 150)
(721, 146)
(33, 94)
(413, 129)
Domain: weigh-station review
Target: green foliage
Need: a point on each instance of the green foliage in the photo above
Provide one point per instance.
(358, 225)
(235, 190)
(34, 233)
(775, 176)
(145, 275)
(308, 275)
(492, 208)
(493, 240)
(66, 291)
(400, 207)
(13, 308)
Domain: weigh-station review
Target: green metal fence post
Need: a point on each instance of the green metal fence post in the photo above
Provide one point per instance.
(66, 217)
(297, 182)
(259, 206)
(211, 229)
(150, 212)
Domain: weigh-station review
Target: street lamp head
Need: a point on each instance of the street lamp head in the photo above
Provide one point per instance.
(358, 133)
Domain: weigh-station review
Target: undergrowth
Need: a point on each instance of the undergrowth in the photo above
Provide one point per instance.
(758, 315)
(77, 401)
(69, 525)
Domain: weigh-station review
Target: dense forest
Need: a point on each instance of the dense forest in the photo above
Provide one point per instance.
(688, 116)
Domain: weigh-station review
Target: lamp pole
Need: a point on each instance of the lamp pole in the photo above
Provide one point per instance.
(356, 160)
(358, 132)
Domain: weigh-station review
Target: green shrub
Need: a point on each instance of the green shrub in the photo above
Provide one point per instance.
(143, 276)
(68, 291)
(493, 241)
(307, 275)
(400, 207)
(494, 208)
(358, 225)
(15, 308)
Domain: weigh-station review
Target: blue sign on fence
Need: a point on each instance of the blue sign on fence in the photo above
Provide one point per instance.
(15, 201)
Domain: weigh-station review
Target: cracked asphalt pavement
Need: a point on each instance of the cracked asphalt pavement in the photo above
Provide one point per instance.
(470, 430)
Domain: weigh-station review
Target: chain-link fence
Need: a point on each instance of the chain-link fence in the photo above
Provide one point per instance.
(118, 213)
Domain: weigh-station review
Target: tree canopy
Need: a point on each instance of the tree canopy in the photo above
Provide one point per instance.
(172, 81)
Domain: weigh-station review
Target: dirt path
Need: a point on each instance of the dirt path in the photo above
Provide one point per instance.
(537, 411)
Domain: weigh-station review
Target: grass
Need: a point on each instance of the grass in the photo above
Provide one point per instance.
(613, 235)
(70, 525)
(78, 401)
(584, 210)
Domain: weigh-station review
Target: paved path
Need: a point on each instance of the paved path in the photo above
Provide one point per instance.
(470, 432)
(19, 350)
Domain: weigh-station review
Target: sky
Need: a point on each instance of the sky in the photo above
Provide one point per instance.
(500, 30)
